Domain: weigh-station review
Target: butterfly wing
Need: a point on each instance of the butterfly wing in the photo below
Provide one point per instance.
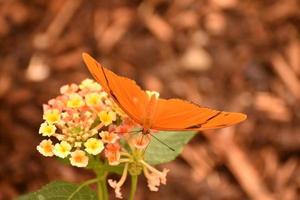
(125, 92)
(176, 114)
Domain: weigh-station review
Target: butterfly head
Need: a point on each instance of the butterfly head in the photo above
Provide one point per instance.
(146, 131)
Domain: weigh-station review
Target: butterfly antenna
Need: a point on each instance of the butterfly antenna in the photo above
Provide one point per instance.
(136, 131)
(146, 148)
(162, 142)
(142, 138)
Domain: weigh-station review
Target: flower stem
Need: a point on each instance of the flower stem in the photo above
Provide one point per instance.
(81, 186)
(102, 188)
(134, 181)
(101, 174)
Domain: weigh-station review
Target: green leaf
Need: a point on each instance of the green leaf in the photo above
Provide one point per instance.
(60, 190)
(158, 153)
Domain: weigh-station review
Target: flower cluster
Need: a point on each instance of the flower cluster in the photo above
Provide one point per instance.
(83, 122)
(135, 165)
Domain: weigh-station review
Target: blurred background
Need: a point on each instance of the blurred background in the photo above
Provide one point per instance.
(231, 55)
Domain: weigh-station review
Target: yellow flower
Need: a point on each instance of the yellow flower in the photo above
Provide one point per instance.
(62, 150)
(47, 129)
(79, 159)
(75, 101)
(89, 84)
(93, 146)
(52, 116)
(45, 148)
(152, 93)
(107, 117)
(108, 137)
(93, 99)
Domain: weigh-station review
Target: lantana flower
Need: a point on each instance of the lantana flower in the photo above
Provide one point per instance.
(79, 158)
(46, 148)
(62, 149)
(47, 129)
(84, 122)
(75, 119)
(75, 101)
(89, 84)
(135, 164)
(93, 146)
(107, 117)
(108, 137)
(113, 153)
(51, 116)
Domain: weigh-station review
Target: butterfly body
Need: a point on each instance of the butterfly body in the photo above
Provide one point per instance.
(151, 112)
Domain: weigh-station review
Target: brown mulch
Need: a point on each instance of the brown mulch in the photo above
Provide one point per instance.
(234, 55)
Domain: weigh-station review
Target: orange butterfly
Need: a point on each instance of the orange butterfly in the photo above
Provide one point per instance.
(152, 112)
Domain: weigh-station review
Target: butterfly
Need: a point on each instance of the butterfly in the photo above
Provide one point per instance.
(151, 112)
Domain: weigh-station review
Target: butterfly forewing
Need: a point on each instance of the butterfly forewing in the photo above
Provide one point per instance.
(131, 99)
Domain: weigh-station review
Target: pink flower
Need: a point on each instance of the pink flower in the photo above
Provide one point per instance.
(108, 137)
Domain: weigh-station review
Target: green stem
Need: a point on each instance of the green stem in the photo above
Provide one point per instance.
(81, 186)
(101, 174)
(102, 188)
(134, 180)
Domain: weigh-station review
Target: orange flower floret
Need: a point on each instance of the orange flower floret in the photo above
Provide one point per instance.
(108, 137)
(46, 148)
(112, 153)
(79, 158)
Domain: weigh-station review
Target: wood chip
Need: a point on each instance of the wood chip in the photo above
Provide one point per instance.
(196, 59)
(215, 23)
(107, 38)
(286, 74)
(224, 4)
(38, 69)
(156, 24)
(239, 164)
(293, 53)
(43, 40)
(200, 161)
(273, 106)
(5, 83)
